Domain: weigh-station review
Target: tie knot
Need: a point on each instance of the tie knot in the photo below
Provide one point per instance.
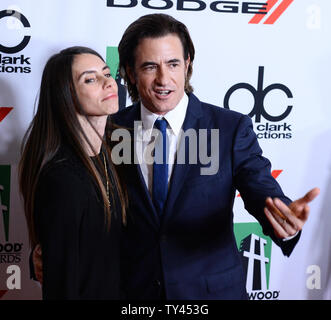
(161, 124)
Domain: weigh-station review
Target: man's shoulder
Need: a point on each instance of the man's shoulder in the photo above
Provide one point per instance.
(126, 110)
(217, 111)
(126, 115)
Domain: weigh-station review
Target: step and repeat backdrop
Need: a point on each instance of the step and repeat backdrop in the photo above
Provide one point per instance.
(268, 59)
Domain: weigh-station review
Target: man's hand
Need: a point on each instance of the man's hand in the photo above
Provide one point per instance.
(288, 220)
(38, 263)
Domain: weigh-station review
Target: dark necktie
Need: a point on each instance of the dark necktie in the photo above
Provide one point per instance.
(160, 167)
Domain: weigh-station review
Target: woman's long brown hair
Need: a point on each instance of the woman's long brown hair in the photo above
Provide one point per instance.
(54, 124)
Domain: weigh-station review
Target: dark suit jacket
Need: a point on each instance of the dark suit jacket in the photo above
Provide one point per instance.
(190, 252)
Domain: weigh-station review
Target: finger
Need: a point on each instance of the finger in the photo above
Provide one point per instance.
(310, 195)
(36, 259)
(305, 213)
(279, 231)
(284, 216)
(39, 278)
(283, 208)
(38, 271)
(38, 249)
(36, 252)
(292, 220)
(271, 206)
(290, 227)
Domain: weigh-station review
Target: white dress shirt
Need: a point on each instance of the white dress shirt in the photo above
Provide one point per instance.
(145, 138)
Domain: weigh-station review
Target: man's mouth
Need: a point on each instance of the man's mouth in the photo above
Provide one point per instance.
(163, 93)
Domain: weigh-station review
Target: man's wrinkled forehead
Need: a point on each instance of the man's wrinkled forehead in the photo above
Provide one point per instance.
(147, 38)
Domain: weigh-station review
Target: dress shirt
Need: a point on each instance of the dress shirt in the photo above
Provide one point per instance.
(145, 138)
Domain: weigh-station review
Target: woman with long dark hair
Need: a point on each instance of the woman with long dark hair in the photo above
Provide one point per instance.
(74, 202)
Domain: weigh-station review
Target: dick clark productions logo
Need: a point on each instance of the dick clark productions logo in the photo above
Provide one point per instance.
(267, 130)
(17, 63)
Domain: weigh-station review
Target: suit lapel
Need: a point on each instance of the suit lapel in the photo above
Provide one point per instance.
(180, 171)
(127, 119)
(154, 217)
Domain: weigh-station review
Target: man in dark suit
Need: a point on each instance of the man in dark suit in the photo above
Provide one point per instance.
(185, 247)
(179, 241)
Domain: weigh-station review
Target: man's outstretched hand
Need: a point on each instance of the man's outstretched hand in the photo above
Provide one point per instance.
(288, 220)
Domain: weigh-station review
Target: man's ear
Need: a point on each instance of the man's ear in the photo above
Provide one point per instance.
(187, 63)
(130, 74)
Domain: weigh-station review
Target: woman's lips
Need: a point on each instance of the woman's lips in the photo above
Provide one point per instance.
(110, 96)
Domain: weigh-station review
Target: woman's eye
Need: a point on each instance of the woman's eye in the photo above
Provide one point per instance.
(108, 75)
(89, 80)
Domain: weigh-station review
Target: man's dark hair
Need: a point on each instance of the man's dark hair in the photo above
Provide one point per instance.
(152, 26)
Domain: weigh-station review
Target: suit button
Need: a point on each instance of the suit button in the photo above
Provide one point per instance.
(157, 283)
(163, 238)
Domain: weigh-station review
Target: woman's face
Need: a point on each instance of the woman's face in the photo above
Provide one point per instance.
(95, 87)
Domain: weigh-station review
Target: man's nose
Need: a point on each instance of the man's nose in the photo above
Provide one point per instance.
(163, 76)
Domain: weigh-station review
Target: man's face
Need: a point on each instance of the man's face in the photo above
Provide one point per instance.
(159, 73)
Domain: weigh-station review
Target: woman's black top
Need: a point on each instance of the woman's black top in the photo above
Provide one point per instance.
(81, 257)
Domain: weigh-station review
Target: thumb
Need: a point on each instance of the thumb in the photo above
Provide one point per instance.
(310, 195)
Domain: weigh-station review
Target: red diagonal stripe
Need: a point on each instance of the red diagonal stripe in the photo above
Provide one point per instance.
(2, 293)
(4, 111)
(278, 12)
(274, 173)
(258, 17)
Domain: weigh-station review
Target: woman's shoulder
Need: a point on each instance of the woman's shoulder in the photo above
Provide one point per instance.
(65, 168)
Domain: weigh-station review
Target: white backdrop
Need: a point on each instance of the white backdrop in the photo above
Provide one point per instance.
(293, 53)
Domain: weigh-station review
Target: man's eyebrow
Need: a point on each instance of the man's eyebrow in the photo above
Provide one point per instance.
(151, 63)
(173, 60)
(147, 63)
(92, 71)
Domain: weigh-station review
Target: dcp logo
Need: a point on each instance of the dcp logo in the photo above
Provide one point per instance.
(259, 95)
(20, 17)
